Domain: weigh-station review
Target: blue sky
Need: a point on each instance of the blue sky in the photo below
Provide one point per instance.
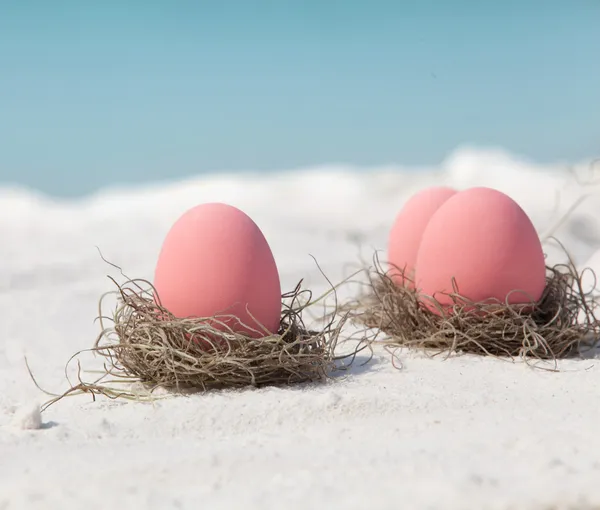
(95, 93)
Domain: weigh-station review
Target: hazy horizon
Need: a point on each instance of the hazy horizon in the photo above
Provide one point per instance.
(99, 94)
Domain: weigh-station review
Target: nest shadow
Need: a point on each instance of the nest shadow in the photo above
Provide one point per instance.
(563, 323)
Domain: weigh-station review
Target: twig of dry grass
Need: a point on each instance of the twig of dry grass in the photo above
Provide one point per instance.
(147, 345)
(559, 325)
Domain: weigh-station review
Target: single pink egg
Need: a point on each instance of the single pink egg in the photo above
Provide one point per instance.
(408, 228)
(216, 261)
(483, 239)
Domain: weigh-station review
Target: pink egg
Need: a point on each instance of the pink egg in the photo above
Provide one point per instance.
(483, 239)
(216, 261)
(408, 228)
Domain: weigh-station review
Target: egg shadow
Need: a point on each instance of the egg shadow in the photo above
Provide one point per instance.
(356, 365)
(49, 425)
(587, 353)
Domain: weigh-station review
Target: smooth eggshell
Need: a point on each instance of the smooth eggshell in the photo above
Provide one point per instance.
(483, 239)
(216, 261)
(408, 228)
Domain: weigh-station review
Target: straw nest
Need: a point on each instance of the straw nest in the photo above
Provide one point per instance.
(559, 325)
(146, 347)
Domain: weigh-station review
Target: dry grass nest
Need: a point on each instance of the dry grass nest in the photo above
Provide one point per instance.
(559, 325)
(147, 345)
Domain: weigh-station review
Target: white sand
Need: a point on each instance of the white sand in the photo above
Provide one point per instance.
(465, 433)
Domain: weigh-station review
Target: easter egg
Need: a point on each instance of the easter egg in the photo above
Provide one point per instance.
(486, 242)
(405, 235)
(216, 261)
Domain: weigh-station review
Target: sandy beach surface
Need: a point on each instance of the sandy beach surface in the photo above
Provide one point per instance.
(460, 433)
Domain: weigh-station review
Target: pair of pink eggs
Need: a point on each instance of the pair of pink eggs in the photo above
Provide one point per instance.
(479, 240)
(216, 261)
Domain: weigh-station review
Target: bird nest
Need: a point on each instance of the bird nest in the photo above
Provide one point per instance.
(146, 347)
(562, 322)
